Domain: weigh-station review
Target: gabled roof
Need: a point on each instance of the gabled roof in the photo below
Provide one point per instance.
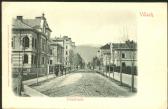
(107, 46)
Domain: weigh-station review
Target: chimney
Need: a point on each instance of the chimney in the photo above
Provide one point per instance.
(20, 18)
(43, 14)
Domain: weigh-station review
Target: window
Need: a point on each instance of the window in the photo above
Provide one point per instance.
(35, 59)
(33, 42)
(32, 59)
(42, 60)
(50, 61)
(66, 59)
(25, 42)
(123, 55)
(66, 47)
(13, 42)
(66, 52)
(123, 64)
(50, 51)
(25, 59)
(43, 44)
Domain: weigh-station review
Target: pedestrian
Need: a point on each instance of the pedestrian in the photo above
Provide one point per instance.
(56, 71)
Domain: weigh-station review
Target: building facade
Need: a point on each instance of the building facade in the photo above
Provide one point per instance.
(120, 55)
(125, 54)
(56, 57)
(30, 44)
(69, 47)
(104, 55)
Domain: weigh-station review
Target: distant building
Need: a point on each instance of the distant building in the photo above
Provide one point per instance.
(69, 47)
(105, 55)
(99, 54)
(56, 56)
(30, 44)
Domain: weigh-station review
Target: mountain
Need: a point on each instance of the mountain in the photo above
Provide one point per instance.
(87, 52)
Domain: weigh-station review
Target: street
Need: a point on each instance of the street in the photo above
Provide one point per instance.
(81, 84)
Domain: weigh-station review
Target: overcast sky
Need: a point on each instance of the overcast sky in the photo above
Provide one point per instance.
(85, 23)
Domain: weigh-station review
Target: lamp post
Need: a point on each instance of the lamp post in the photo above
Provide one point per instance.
(20, 75)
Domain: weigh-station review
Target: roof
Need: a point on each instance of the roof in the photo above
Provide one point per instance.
(28, 23)
(107, 46)
(55, 43)
(127, 45)
(17, 24)
(34, 23)
(58, 39)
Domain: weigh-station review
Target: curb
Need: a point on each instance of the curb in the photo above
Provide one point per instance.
(32, 92)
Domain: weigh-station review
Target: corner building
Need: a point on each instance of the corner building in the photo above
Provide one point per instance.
(30, 45)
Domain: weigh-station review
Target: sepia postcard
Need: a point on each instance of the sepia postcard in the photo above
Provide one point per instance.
(81, 55)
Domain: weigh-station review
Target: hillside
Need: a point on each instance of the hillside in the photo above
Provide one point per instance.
(87, 52)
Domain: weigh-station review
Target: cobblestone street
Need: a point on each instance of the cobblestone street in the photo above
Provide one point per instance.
(81, 84)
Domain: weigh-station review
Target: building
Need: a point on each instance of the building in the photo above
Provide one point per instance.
(120, 55)
(99, 54)
(105, 56)
(30, 45)
(56, 57)
(125, 53)
(69, 47)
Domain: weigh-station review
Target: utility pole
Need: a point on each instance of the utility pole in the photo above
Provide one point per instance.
(113, 62)
(110, 58)
(38, 56)
(24, 41)
(132, 69)
(132, 48)
(106, 66)
(120, 64)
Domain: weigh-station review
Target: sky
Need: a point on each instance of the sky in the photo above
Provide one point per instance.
(85, 23)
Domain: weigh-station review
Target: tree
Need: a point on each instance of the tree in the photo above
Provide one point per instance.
(95, 62)
(89, 65)
(71, 58)
(78, 61)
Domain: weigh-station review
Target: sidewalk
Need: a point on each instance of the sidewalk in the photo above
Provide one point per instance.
(32, 92)
(32, 81)
(126, 78)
